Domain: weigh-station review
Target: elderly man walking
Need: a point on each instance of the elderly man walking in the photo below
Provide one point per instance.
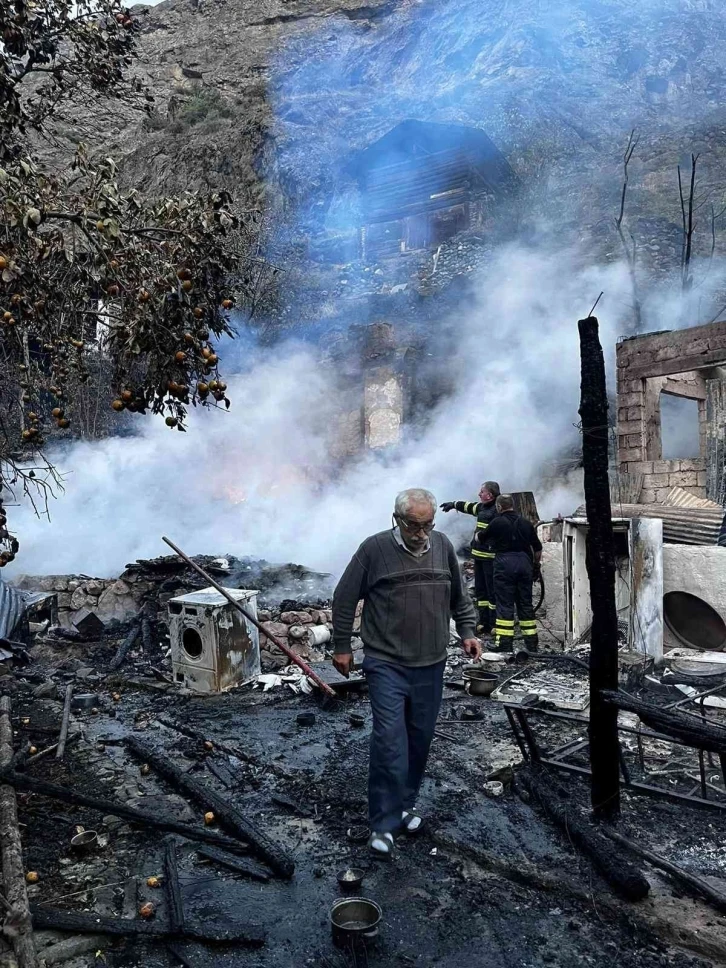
(411, 585)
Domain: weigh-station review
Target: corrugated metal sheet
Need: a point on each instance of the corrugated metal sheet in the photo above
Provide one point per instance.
(693, 526)
(12, 608)
(678, 497)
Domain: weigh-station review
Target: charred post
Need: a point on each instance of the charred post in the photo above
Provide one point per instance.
(604, 749)
(13, 868)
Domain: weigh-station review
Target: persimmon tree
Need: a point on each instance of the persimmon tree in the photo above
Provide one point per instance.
(88, 267)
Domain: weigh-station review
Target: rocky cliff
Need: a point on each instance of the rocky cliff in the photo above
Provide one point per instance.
(271, 98)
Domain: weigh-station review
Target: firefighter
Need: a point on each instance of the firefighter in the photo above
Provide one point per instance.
(518, 552)
(484, 511)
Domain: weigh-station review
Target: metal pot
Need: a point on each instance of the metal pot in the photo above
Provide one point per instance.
(350, 878)
(353, 920)
(479, 682)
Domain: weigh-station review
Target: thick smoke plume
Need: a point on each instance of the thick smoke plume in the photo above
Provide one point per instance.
(260, 480)
(257, 480)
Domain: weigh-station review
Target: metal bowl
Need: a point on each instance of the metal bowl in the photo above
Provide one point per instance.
(479, 682)
(358, 834)
(350, 878)
(85, 841)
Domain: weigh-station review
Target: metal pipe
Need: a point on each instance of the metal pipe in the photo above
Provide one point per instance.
(250, 618)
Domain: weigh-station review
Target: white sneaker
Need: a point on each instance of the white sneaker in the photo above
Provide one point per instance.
(411, 821)
(381, 844)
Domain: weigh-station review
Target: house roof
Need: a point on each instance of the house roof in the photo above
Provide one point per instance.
(412, 139)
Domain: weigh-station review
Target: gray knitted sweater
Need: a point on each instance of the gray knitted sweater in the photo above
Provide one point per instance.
(408, 601)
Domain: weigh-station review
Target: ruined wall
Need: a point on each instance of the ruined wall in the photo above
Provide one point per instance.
(108, 598)
(684, 364)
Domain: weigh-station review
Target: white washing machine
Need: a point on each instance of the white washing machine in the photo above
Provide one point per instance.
(213, 646)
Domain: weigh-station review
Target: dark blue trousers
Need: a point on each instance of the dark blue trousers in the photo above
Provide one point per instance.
(405, 704)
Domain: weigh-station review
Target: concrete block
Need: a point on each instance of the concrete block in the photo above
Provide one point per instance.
(684, 479)
(634, 440)
(701, 478)
(641, 467)
(698, 571)
(631, 399)
(666, 466)
(627, 455)
(630, 427)
(692, 464)
(647, 496)
(659, 480)
(666, 353)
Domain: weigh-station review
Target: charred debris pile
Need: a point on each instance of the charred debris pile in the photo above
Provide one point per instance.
(162, 826)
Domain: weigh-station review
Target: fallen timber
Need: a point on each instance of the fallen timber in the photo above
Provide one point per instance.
(174, 901)
(625, 879)
(696, 884)
(20, 781)
(689, 728)
(226, 813)
(235, 751)
(54, 920)
(13, 868)
(63, 738)
(236, 864)
(126, 646)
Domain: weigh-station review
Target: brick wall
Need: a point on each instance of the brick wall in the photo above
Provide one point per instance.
(675, 362)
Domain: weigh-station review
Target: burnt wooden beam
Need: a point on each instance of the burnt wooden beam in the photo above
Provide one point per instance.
(236, 864)
(61, 748)
(600, 562)
(226, 813)
(697, 885)
(20, 781)
(625, 879)
(172, 887)
(49, 919)
(125, 647)
(235, 751)
(689, 728)
(13, 867)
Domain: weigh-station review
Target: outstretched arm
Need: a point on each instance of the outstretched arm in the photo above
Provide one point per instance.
(348, 592)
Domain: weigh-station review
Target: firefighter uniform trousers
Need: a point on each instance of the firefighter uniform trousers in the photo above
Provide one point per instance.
(484, 589)
(513, 571)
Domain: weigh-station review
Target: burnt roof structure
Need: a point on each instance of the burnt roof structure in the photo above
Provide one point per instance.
(423, 183)
(421, 166)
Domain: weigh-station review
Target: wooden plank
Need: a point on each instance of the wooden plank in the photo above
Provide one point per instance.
(173, 890)
(60, 751)
(210, 932)
(227, 813)
(21, 781)
(13, 866)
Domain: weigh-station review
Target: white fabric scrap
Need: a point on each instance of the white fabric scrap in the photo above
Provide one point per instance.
(292, 676)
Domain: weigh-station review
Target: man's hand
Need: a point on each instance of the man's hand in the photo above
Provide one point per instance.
(472, 647)
(447, 506)
(343, 662)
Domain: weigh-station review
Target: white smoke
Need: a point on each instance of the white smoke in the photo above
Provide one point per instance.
(258, 479)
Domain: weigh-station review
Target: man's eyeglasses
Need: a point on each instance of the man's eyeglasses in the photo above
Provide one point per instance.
(412, 528)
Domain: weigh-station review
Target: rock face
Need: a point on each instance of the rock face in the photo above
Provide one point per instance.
(287, 90)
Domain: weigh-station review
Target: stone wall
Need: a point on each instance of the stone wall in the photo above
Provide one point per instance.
(108, 598)
(683, 363)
